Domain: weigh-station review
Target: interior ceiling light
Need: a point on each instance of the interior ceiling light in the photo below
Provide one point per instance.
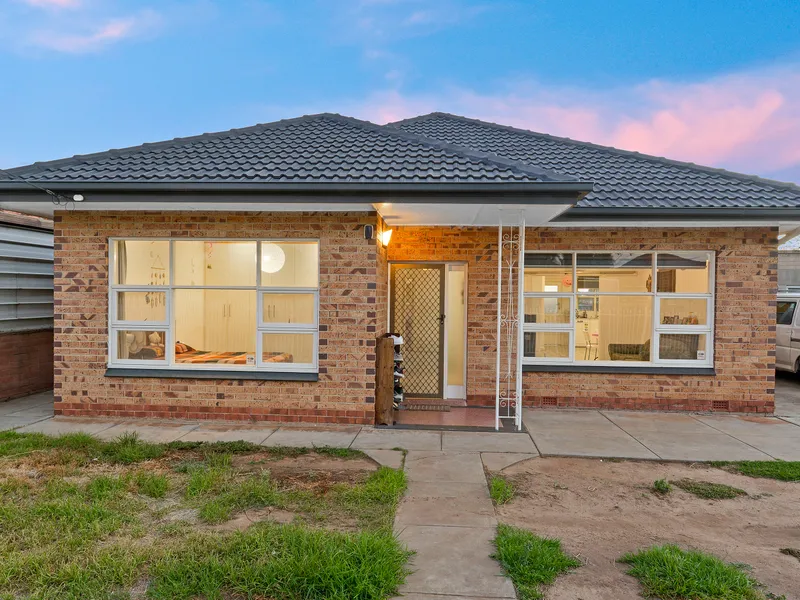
(272, 258)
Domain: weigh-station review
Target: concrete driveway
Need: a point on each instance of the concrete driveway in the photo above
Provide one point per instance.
(787, 394)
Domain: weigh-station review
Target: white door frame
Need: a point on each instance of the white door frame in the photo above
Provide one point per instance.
(448, 391)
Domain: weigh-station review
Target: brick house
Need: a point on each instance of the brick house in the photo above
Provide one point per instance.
(247, 274)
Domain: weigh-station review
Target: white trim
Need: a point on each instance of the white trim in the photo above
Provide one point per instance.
(168, 326)
(657, 328)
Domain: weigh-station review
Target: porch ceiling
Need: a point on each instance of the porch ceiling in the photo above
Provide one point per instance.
(399, 213)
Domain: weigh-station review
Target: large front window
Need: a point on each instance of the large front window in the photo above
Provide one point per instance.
(618, 308)
(214, 304)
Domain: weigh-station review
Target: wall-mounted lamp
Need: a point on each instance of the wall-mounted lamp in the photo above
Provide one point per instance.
(386, 235)
(77, 197)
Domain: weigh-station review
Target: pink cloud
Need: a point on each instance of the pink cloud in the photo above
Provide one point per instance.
(747, 121)
(99, 36)
(54, 3)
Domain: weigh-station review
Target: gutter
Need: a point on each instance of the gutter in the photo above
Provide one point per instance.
(579, 215)
(352, 188)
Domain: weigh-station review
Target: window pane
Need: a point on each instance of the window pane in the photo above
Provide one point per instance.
(546, 344)
(289, 264)
(547, 310)
(288, 348)
(548, 272)
(615, 272)
(141, 262)
(683, 311)
(288, 308)
(620, 329)
(683, 346)
(141, 345)
(786, 312)
(215, 327)
(687, 273)
(142, 306)
(199, 262)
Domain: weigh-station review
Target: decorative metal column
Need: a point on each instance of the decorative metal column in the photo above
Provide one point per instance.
(510, 272)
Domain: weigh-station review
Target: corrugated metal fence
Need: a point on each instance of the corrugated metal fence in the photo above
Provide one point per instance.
(26, 279)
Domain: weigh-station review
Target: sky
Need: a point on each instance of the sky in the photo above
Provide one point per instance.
(716, 82)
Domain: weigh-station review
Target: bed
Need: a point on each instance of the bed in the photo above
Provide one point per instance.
(185, 354)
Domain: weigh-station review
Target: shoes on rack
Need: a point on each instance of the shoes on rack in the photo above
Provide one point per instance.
(398, 339)
(398, 357)
(398, 373)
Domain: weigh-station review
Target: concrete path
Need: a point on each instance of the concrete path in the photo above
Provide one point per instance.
(662, 436)
(585, 433)
(448, 519)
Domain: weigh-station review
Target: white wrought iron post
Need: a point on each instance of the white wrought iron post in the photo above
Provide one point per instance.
(510, 273)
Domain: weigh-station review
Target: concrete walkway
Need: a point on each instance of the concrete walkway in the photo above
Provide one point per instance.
(583, 433)
(448, 519)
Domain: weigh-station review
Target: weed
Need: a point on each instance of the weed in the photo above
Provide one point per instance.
(500, 489)
(670, 572)
(708, 490)
(249, 493)
(154, 485)
(128, 449)
(339, 452)
(661, 486)
(529, 560)
(766, 469)
(287, 451)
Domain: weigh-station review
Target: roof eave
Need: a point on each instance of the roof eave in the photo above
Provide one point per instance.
(322, 188)
(580, 215)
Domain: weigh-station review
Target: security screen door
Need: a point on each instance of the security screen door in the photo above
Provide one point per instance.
(417, 313)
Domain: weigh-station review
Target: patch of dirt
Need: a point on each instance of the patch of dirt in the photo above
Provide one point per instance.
(307, 471)
(601, 510)
(246, 519)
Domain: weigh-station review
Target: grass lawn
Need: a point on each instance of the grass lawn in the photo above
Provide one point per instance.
(670, 573)
(708, 490)
(530, 561)
(85, 519)
(500, 489)
(767, 469)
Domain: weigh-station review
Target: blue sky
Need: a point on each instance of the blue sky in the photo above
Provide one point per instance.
(713, 81)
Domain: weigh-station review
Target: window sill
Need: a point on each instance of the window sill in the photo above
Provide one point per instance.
(211, 374)
(618, 370)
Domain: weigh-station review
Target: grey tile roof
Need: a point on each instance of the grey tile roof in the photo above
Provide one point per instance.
(323, 148)
(622, 179)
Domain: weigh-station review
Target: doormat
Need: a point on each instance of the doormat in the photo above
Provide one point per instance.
(430, 407)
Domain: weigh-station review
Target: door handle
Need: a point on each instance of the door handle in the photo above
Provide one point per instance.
(441, 319)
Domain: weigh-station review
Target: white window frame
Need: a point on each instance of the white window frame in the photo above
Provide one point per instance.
(658, 329)
(168, 326)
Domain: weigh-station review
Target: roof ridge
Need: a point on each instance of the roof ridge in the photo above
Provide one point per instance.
(492, 159)
(472, 153)
(784, 185)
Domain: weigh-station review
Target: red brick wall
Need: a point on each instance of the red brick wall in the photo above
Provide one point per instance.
(26, 363)
(744, 348)
(348, 321)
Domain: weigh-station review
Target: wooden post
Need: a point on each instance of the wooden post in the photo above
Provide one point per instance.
(384, 382)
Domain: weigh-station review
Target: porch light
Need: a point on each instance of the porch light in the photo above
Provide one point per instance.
(386, 235)
(272, 258)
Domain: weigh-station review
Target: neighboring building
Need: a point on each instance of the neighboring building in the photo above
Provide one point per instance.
(789, 263)
(247, 274)
(26, 304)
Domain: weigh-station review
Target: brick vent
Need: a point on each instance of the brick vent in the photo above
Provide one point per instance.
(720, 405)
(549, 401)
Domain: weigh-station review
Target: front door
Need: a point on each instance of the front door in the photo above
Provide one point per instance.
(417, 313)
